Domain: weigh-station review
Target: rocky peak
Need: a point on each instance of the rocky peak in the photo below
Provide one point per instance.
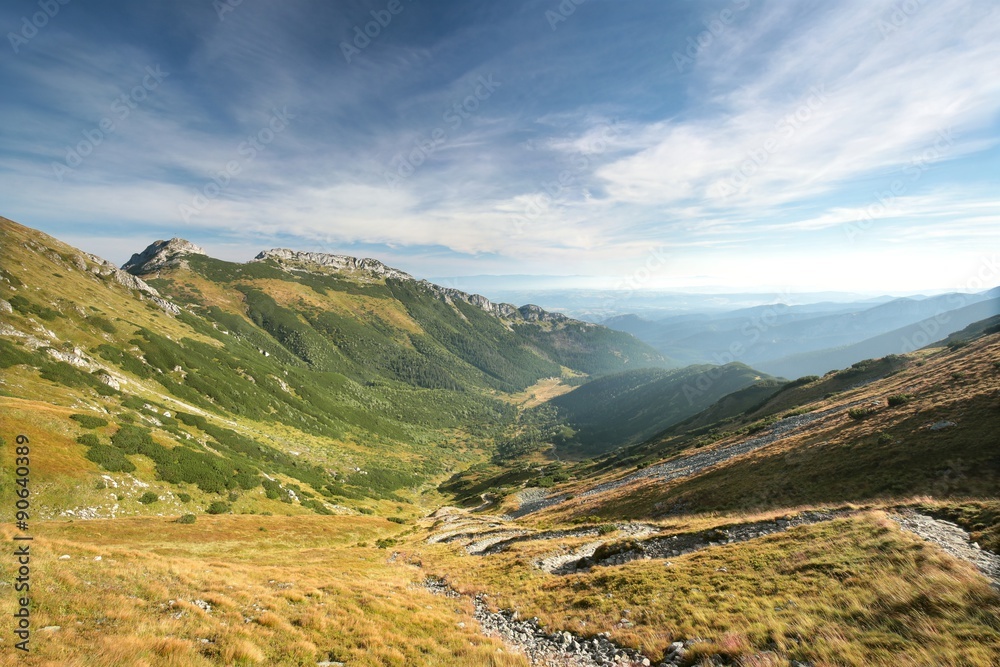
(533, 313)
(304, 260)
(161, 254)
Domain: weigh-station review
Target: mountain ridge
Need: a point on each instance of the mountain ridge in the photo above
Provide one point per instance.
(162, 254)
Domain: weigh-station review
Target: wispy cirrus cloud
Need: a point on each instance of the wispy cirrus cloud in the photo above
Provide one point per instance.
(593, 149)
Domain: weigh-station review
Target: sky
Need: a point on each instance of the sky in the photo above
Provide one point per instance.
(632, 144)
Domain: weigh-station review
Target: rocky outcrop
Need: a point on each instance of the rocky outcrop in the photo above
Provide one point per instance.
(104, 268)
(297, 260)
(161, 254)
(294, 259)
(171, 254)
(533, 313)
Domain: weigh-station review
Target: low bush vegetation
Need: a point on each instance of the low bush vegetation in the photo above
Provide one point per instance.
(89, 421)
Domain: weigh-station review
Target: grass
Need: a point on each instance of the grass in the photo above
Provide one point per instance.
(981, 518)
(848, 592)
(295, 594)
(889, 453)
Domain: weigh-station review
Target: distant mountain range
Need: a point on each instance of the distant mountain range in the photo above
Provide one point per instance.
(811, 339)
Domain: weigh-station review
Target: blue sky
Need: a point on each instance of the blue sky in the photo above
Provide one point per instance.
(747, 144)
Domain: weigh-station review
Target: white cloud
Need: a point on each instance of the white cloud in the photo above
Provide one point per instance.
(832, 101)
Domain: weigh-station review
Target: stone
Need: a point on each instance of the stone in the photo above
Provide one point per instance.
(159, 255)
(937, 426)
(110, 380)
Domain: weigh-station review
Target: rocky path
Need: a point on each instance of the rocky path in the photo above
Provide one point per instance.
(549, 649)
(483, 537)
(681, 544)
(953, 539)
(534, 500)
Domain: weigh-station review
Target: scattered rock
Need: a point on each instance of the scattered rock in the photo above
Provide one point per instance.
(110, 380)
(533, 500)
(952, 539)
(938, 426)
(541, 647)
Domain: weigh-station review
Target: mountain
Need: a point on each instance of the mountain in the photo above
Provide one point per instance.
(904, 339)
(763, 336)
(990, 325)
(260, 464)
(631, 406)
(328, 381)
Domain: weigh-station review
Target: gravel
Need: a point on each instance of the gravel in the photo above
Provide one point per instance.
(534, 499)
(953, 539)
(556, 649)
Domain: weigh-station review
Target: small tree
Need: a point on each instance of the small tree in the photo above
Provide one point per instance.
(217, 507)
(148, 498)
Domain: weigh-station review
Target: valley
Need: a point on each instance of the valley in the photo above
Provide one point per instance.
(313, 459)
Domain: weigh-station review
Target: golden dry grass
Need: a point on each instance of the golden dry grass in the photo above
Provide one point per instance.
(299, 592)
(848, 592)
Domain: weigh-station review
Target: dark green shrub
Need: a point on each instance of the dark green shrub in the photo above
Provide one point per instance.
(89, 421)
(606, 528)
(386, 542)
(26, 307)
(899, 399)
(187, 518)
(102, 323)
(860, 413)
(272, 489)
(88, 439)
(110, 458)
(134, 440)
(316, 506)
(184, 497)
(148, 498)
(218, 507)
(396, 519)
